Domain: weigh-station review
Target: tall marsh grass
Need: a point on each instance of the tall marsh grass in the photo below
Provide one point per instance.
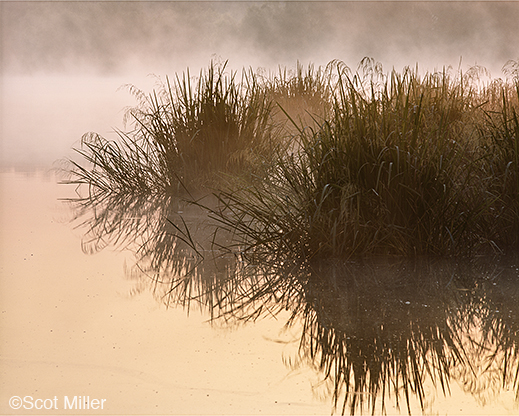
(329, 162)
(301, 96)
(183, 134)
(405, 164)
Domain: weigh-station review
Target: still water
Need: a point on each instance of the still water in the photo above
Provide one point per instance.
(104, 311)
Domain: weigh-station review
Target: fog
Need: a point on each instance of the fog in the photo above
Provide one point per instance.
(62, 62)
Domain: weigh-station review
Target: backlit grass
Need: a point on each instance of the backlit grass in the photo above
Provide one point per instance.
(183, 134)
(405, 164)
(330, 162)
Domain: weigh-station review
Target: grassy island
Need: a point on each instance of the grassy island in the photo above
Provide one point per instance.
(327, 162)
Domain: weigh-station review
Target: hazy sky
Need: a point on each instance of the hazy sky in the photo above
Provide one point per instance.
(63, 62)
(119, 37)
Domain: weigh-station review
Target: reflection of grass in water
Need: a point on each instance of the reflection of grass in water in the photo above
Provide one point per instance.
(376, 332)
(493, 312)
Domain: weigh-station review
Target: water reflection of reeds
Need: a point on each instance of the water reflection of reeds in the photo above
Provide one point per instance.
(384, 330)
(377, 330)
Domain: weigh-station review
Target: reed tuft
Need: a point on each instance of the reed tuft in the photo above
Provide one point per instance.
(404, 165)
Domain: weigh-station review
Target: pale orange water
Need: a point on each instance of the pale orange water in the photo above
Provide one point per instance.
(71, 327)
(72, 324)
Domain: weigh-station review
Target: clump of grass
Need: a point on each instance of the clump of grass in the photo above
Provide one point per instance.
(304, 95)
(183, 135)
(501, 165)
(404, 165)
(372, 163)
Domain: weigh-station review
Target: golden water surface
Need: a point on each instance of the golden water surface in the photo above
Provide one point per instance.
(83, 334)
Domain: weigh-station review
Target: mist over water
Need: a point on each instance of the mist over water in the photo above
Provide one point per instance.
(78, 325)
(62, 62)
